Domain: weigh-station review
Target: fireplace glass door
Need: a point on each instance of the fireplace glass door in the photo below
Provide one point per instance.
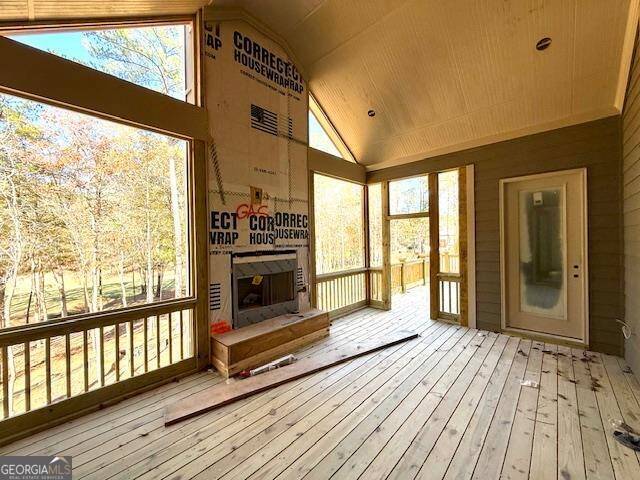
(263, 290)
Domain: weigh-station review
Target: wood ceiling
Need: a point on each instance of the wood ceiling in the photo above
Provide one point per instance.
(441, 75)
(16, 10)
(448, 75)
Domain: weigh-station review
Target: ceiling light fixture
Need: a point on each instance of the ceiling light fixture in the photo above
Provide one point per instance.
(543, 44)
(371, 113)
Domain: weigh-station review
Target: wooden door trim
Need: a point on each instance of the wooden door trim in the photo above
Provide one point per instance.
(582, 172)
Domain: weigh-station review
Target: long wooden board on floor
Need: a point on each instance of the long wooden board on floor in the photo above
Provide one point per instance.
(223, 394)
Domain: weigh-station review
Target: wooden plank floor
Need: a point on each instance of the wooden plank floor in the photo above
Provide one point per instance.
(447, 405)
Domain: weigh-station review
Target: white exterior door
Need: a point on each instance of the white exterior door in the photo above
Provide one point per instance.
(544, 259)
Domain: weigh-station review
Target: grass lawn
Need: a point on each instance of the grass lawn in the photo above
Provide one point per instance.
(111, 294)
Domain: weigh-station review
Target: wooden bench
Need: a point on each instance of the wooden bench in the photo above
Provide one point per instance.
(255, 345)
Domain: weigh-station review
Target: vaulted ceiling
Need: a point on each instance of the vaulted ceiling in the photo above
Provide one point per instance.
(448, 75)
(440, 75)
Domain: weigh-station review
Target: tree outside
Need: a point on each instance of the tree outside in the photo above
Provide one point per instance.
(93, 214)
(339, 224)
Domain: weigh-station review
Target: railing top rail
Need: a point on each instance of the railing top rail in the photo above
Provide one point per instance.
(82, 322)
(451, 277)
(411, 262)
(324, 277)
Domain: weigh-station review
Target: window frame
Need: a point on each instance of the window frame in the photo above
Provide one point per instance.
(325, 123)
(400, 216)
(192, 82)
(125, 103)
(364, 218)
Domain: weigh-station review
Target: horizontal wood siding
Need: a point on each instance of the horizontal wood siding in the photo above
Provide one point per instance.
(594, 145)
(631, 196)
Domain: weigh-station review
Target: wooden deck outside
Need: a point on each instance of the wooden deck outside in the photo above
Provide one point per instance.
(447, 405)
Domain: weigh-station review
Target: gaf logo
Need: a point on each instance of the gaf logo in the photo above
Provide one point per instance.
(35, 468)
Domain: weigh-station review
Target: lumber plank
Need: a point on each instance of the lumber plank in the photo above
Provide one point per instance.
(313, 426)
(251, 433)
(485, 432)
(166, 443)
(352, 430)
(544, 457)
(221, 395)
(411, 461)
(626, 400)
(597, 460)
(392, 437)
(625, 462)
(570, 452)
(518, 457)
(485, 381)
(395, 434)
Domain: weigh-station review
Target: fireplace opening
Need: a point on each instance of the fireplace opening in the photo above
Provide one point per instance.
(264, 286)
(263, 290)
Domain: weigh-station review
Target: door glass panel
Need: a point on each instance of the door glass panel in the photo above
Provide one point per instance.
(542, 246)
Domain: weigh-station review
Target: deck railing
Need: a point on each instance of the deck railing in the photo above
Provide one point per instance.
(375, 280)
(449, 288)
(406, 275)
(44, 363)
(341, 292)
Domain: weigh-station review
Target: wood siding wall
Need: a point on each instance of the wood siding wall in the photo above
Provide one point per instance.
(631, 208)
(595, 145)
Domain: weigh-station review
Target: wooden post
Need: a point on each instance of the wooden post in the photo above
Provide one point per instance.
(367, 244)
(434, 247)
(313, 293)
(462, 245)
(403, 281)
(199, 256)
(386, 249)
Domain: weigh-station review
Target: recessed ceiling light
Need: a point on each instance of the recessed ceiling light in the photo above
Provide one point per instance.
(543, 43)
(371, 113)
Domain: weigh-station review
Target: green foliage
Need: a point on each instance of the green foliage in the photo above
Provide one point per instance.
(86, 203)
(152, 56)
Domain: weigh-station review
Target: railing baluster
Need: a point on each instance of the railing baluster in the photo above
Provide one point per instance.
(157, 341)
(132, 368)
(181, 337)
(27, 377)
(85, 354)
(67, 356)
(331, 296)
(117, 348)
(145, 340)
(5, 381)
(47, 363)
(171, 338)
(101, 354)
(353, 280)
